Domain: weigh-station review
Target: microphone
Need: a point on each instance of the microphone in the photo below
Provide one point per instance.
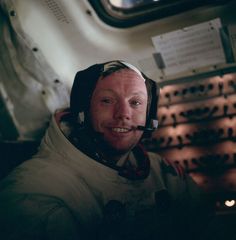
(143, 128)
(153, 127)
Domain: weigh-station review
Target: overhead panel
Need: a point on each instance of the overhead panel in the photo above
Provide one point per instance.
(194, 52)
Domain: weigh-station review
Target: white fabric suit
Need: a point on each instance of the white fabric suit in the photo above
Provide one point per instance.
(61, 193)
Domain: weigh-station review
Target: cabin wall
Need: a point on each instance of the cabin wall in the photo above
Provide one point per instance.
(45, 42)
(77, 38)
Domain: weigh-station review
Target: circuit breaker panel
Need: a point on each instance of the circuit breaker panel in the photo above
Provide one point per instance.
(197, 105)
(197, 130)
(197, 124)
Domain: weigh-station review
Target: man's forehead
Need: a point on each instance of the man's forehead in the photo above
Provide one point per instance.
(122, 78)
(114, 91)
(125, 78)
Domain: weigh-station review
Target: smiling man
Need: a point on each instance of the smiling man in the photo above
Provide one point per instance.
(92, 179)
(118, 106)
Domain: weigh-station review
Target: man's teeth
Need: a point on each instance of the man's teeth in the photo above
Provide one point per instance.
(120, 129)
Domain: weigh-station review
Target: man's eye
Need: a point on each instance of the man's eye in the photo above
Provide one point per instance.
(135, 103)
(106, 100)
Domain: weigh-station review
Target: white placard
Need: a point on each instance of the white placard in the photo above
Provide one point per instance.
(191, 47)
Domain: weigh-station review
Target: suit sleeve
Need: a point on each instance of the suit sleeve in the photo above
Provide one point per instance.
(36, 217)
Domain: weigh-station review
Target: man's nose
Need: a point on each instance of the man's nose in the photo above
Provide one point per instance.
(122, 110)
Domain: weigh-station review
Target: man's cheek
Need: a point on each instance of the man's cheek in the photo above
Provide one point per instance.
(141, 119)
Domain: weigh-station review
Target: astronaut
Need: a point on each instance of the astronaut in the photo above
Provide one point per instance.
(92, 178)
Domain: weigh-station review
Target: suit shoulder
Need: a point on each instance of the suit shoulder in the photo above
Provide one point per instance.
(166, 165)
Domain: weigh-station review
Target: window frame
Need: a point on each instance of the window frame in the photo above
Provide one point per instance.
(128, 17)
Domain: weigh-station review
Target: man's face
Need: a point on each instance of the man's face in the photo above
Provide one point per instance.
(118, 106)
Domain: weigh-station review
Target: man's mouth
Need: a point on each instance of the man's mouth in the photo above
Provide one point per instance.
(120, 130)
